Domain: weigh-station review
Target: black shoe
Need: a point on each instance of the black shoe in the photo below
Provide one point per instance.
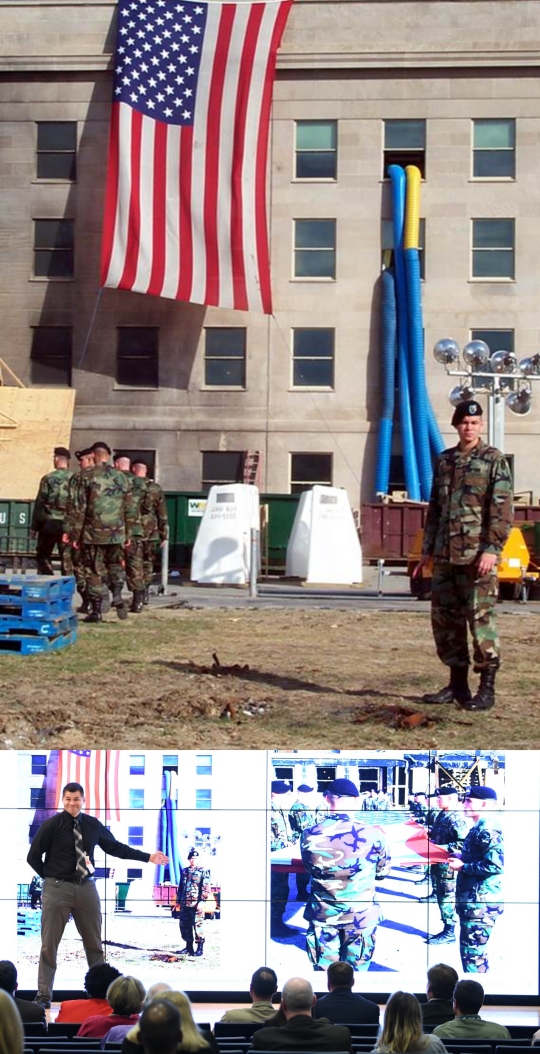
(117, 595)
(426, 900)
(199, 948)
(188, 950)
(457, 691)
(95, 610)
(485, 696)
(85, 605)
(137, 602)
(42, 1001)
(446, 936)
(146, 597)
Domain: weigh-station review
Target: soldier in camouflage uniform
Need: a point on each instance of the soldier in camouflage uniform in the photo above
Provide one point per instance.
(302, 816)
(468, 522)
(344, 858)
(280, 837)
(49, 512)
(155, 523)
(449, 830)
(192, 891)
(72, 555)
(141, 506)
(102, 523)
(479, 885)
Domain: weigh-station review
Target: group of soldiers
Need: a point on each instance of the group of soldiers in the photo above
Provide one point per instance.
(106, 520)
(343, 858)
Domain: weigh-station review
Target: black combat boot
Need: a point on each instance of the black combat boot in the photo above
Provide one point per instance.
(446, 936)
(188, 950)
(117, 602)
(137, 601)
(458, 689)
(85, 605)
(426, 900)
(95, 610)
(485, 696)
(199, 947)
(146, 597)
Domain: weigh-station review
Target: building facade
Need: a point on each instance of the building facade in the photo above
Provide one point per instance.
(450, 85)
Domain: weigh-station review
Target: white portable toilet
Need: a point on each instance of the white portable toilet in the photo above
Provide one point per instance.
(324, 546)
(221, 553)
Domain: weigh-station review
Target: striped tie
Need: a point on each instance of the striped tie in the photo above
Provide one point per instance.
(81, 868)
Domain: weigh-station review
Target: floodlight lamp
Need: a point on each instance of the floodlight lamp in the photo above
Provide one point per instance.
(519, 402)
(460, 394)
(503, 362)
(446, 351)
(530, 366)
(476, 354)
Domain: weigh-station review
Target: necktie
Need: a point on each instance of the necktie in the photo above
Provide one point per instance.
(81, 868)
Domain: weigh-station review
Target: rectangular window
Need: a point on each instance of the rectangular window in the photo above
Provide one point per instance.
(225, 358)
(220, 466)
(54, 248)
(135, 837)
(387, 246)
(136, 799)
(405, 144)
(493, 249)
(51, 356)
(137, 356)
(170, 761)
(314, 248)
(496, 339)
(138, 454)
(316, 150)
(203, 799)
(134, 872)
(39, 764)
(37, 797)
(307, 470)
(57, 150)
(203, 765)
(494, 149)
(313, 358)
(136, 764)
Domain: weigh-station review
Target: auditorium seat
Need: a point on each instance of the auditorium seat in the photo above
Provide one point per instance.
(35, 1028)
(511, 1048)
(233, 1029)
(66, 1028)
(467, 1047)
(523, 1032)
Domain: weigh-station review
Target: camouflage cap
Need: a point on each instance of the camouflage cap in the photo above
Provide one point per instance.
(469, 408)
(342, 789)
(61, 451)
(279, 787)
(483, 793)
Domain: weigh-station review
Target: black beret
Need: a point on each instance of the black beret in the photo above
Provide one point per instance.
(342, 788)
(466, 409)
(62, 451)
(99, 445)
(192, 853)
(84, 453)
(279, 787)
(444, 791)
(484, 793)
(304, 789)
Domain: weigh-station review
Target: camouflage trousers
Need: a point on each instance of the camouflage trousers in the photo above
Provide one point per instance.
(73, 560)
(149, 550)
(191, 924)
(134, 565)
(279, 893)
(443, 880)
(473, 937)
(460, 599)
(103, 565)
(49, 537)
(326, 944)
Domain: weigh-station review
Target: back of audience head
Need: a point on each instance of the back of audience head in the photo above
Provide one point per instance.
(264, 983)
(468, 997)
(160, 1029)
(297, 996)
(402, 1026)
(11, 1030)
(442, 980)
(340, 975)
(126, 996)
(192, 1036)
(155, 991)
(8, 976)
(99, 978)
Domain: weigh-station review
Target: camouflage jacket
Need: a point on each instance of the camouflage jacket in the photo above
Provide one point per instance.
(479, 881)
(470, 509)
(52, 497)
(141, 504)
(301, 819)
(193, 886)
(344, 858)
(103, 507)
(281, 834)
(419, 812)
(72, 498)
(449, 829)
(155, 518)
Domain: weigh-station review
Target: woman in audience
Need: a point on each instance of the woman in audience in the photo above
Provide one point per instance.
(11, 1030)
(125, 995)
(194, 1039)
(96, 983)
(402, 1028)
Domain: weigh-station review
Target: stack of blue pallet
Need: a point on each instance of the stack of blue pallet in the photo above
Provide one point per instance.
(36, 613)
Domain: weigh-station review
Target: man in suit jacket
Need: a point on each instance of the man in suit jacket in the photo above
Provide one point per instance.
(30, 1012)
(263, 986)
(302, 1031)
(442, 980)
(342, 1004)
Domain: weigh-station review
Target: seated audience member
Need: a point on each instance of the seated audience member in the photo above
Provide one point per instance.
(125, 995)
(402, 1028)
(342, 1004)
(468, 999)
(96, 983)
(439, 1008)
(195, 1040)
(302, 1031)
(535, 1041)
(11, 1030)
(263, 986)
(118, 1032)
(29, 1011)
(161, 1032)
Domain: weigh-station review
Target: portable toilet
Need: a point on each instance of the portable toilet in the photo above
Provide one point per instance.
(324, 546)
(222, 551)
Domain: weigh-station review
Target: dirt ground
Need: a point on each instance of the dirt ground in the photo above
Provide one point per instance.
(292, 679)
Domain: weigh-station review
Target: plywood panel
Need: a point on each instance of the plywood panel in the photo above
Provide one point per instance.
(32, 422)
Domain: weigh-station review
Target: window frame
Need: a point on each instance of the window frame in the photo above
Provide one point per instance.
(405, 155)
(124, 356)
(203, 803)
(313, 358)
(132, 799)
(307, 484)
(314, 278)
(52, 248)
(476, 149)
(479, 333)
(136, 841)
(49, 151)
(500, 248)
(207, 385)
(137, 769)
(298, 150)
(207, 483)
(66, 356)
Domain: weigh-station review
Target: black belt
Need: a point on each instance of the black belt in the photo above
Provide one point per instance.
(74, 881)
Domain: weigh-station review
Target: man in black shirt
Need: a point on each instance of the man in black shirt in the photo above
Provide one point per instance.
(68, 841)
(342, 1005)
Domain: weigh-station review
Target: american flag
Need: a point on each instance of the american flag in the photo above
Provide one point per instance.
(185, 208)
(97, 771)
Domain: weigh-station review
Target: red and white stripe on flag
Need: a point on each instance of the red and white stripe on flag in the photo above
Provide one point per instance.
(98, 773)
(185, 211)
